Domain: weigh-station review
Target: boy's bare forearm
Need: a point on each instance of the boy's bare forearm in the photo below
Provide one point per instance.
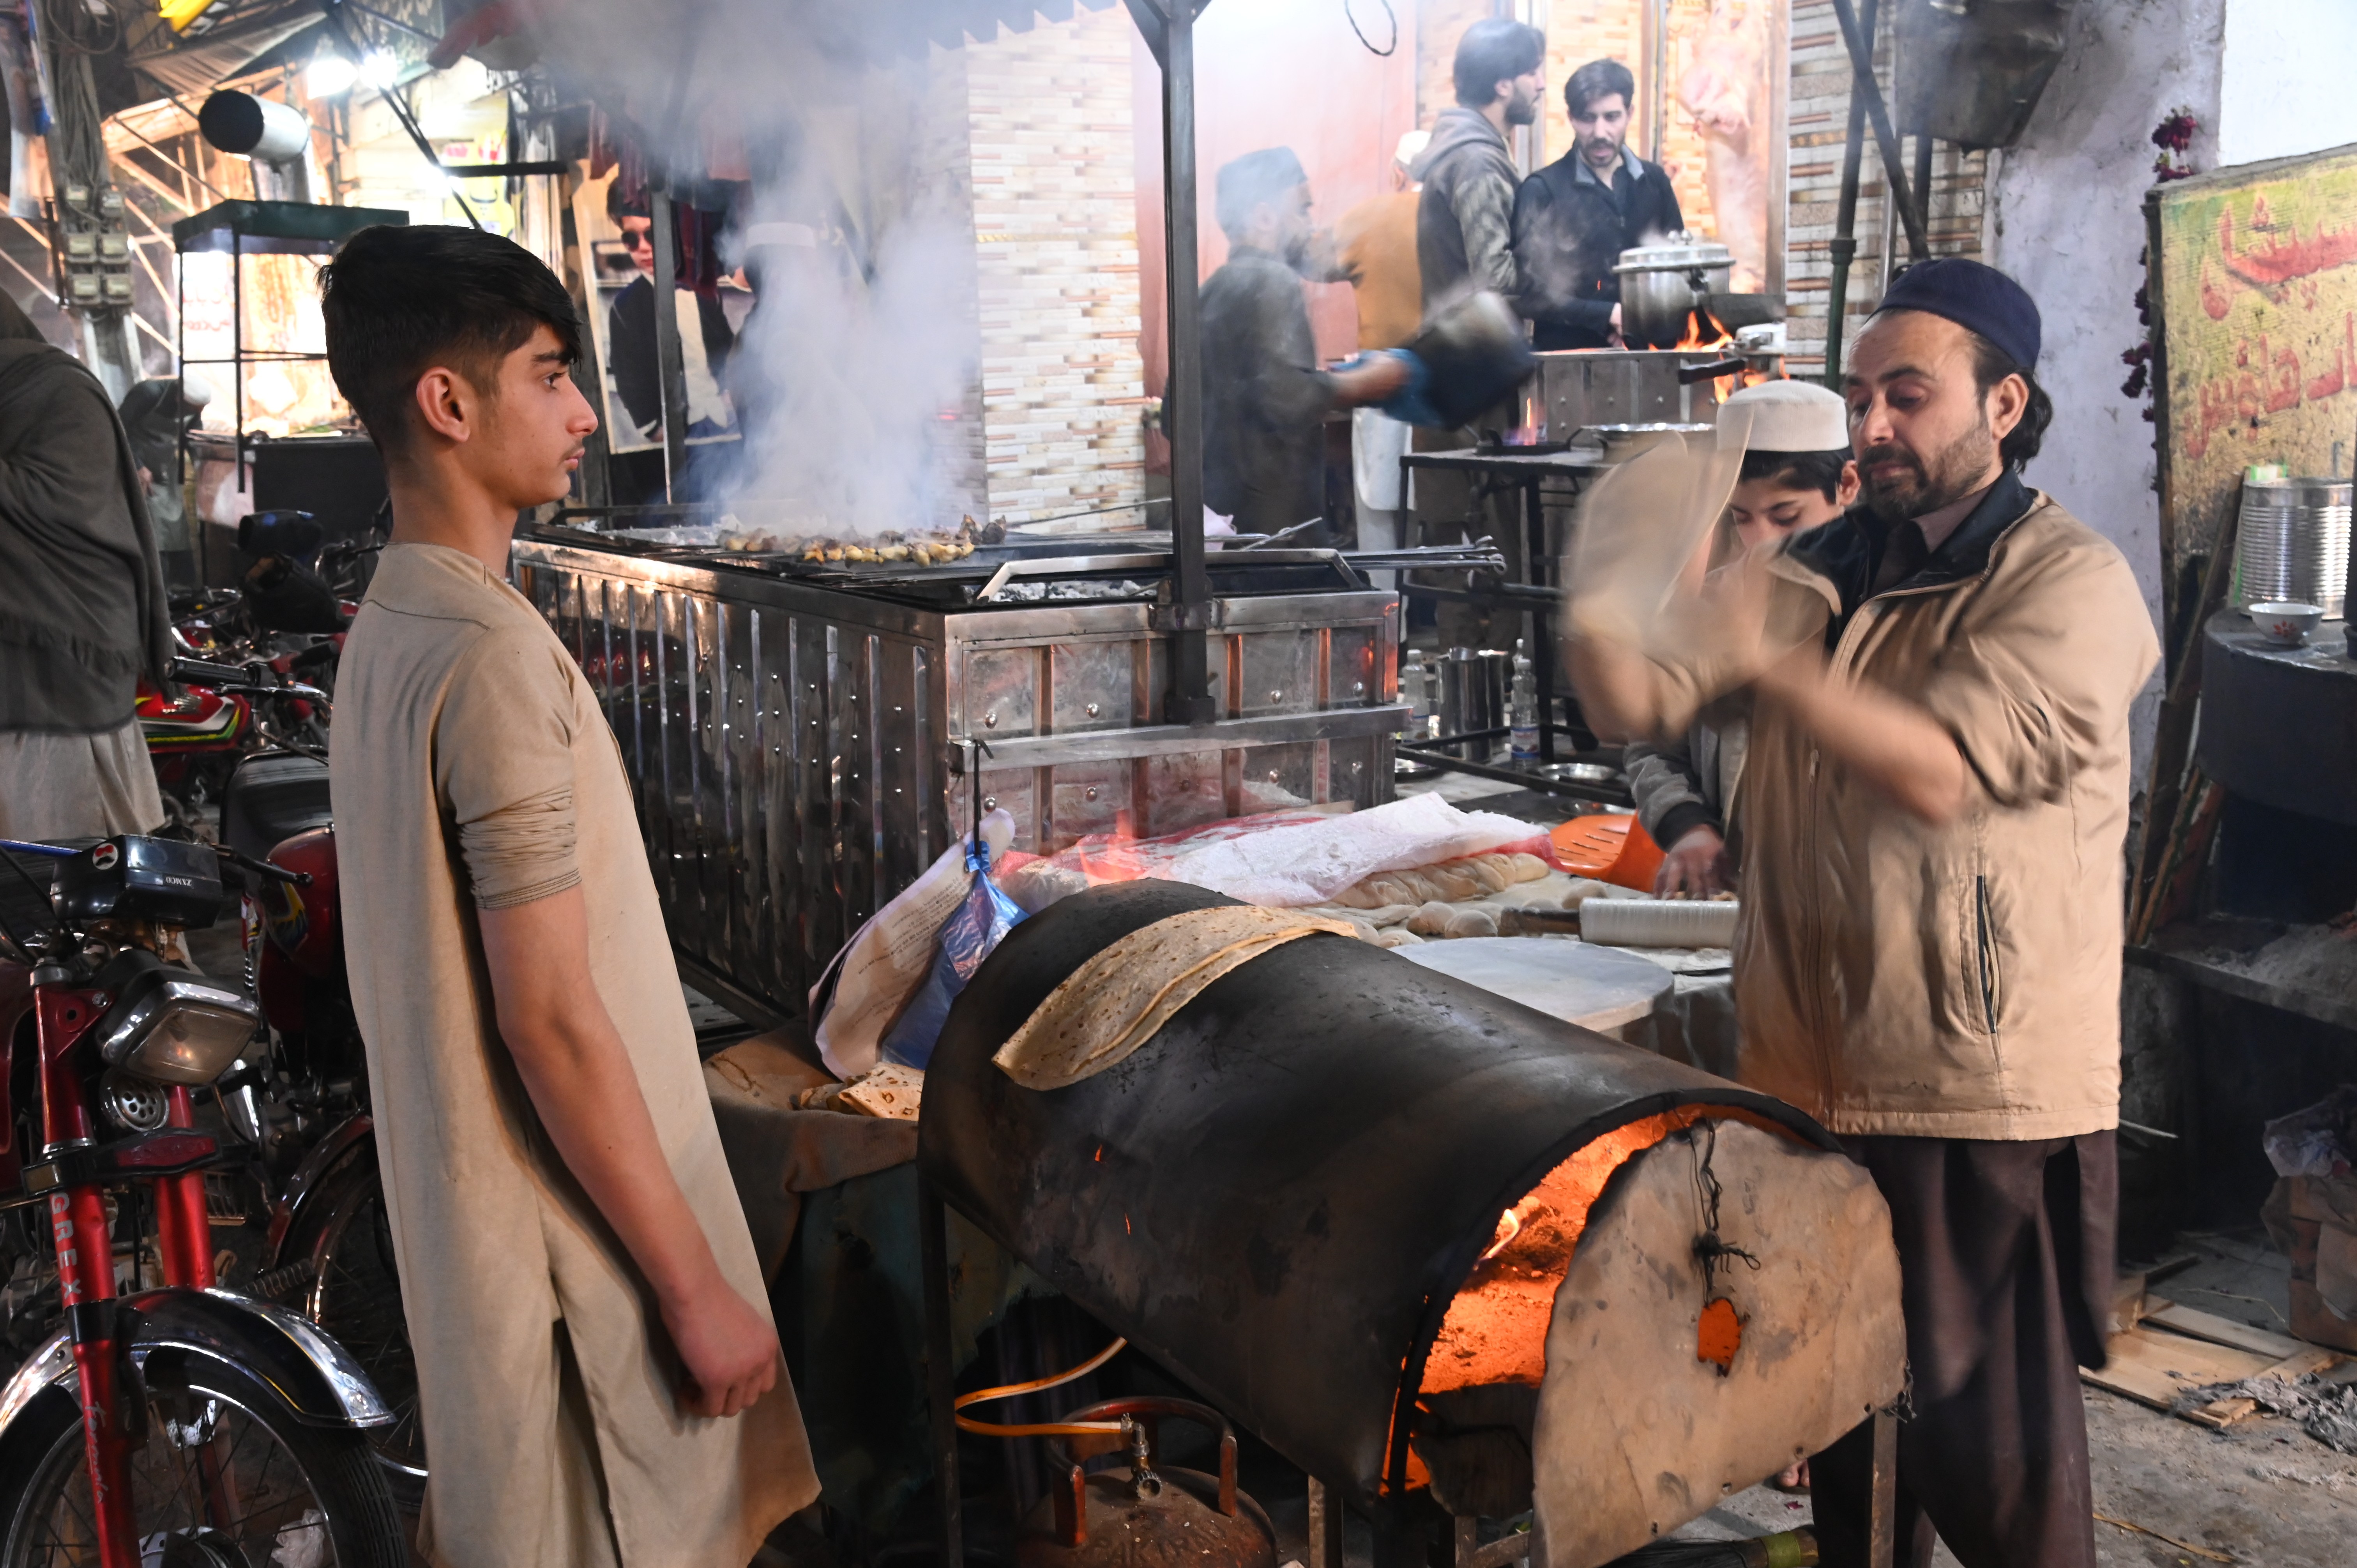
(579, 1075)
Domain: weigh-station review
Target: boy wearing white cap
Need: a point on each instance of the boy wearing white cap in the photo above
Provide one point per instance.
(1797, 474)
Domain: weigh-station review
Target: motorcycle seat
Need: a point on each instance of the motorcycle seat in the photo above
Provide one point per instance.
(272, 797)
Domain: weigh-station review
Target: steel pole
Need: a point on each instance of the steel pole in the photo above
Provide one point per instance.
(1862, 82)
(1189, 700)
(1843, 248)
(671, 368)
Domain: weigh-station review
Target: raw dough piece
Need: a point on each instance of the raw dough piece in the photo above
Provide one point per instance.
(1431, 919)
(1473, 921)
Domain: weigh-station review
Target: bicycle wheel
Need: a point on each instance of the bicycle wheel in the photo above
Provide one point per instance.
(354, 1296)
(224, 1479)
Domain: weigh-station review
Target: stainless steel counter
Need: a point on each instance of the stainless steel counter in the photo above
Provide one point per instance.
(792, 745)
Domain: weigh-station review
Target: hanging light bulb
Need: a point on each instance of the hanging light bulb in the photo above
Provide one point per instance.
(380, 70)
(330, 74)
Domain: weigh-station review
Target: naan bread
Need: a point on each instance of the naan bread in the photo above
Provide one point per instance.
(1112, 1003)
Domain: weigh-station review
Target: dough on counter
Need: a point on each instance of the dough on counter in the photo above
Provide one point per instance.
(1430, 919)
(1473, 921)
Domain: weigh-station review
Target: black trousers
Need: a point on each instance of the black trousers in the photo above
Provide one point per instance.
(2006, 1252)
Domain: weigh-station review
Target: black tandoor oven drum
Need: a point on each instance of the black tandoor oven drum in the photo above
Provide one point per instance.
(1278, 1197)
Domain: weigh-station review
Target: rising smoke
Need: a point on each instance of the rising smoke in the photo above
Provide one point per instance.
(856, 232)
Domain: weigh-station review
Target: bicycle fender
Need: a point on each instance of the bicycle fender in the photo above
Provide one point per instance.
(309, 1376)
(47, 1367)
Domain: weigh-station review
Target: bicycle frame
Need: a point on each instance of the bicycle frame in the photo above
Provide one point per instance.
(65, 1017)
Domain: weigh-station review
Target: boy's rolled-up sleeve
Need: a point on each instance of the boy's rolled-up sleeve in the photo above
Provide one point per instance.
(503, 769)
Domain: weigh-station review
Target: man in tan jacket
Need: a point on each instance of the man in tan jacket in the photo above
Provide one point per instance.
(1927, 957)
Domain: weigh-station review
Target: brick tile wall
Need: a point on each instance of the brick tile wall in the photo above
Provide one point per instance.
(1438, 25)
(1581, 30)
(1817, 122)
(1061, 386)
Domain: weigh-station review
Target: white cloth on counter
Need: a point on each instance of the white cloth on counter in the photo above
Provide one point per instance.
(1311, 863)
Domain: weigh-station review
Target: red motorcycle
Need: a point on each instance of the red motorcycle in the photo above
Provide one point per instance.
(303, 1104)
(226, 712)
(177, 1424)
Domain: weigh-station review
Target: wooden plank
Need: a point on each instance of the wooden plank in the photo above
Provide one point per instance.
(2154, 1367)
(2219, 1415)
(2219, 1330)
(2306, 1359)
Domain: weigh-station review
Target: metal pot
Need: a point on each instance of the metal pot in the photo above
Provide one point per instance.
(1662, 283)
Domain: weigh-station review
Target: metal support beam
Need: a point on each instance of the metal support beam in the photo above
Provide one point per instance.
(1169, 27)
(1325, 1526)
(1923, 179)
(1843, 248)
(1882, 1508)
(941, 1377)
(1862, 81)
(670, 364)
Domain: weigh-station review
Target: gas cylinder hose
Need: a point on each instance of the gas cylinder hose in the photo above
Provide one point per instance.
(1041, 1429)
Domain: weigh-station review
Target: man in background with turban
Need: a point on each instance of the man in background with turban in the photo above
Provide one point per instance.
(1928, 955)
(1265, 395)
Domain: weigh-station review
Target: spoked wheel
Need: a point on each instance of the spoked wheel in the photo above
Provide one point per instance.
(225, 1479)
(355, 1297)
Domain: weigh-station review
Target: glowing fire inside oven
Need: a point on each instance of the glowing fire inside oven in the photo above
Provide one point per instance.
(1496, 1328)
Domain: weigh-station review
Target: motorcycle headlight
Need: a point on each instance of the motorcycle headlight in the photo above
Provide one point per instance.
(175, 1026)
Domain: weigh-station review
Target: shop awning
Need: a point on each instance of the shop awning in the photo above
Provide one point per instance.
(276, 227)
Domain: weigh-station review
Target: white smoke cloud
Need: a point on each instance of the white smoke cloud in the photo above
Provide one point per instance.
(850, 372)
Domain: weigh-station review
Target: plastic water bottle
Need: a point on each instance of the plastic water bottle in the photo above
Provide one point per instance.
(1522, 709)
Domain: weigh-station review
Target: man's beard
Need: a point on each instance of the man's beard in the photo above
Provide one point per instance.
(1296, 253)
(1954, 474)
(1522, 110)
(1596, 149)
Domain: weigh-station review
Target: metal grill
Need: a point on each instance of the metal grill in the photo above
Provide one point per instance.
(792, 746)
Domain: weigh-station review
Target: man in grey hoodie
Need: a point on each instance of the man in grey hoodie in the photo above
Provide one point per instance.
(1464, 226)
(1464, 243)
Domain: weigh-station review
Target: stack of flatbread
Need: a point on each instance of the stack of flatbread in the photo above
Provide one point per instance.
(1113, 1003)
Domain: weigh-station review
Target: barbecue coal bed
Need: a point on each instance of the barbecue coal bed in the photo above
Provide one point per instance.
(1444, 1253)
(790, 729)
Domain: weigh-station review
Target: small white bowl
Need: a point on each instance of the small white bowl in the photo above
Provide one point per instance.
(2284, 622)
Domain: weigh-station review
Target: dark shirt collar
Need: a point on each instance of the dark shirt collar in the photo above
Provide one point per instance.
(1849, 551)
(1630, 166)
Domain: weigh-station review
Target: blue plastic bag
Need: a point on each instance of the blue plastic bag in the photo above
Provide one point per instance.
(981, 920)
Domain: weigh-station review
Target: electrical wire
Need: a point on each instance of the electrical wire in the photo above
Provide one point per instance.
(1353, 17)
(1040, 1429)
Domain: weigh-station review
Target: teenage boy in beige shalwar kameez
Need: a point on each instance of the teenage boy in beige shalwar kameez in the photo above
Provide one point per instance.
(582, 1294)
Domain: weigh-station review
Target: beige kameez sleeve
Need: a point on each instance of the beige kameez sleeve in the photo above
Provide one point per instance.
(503, 769)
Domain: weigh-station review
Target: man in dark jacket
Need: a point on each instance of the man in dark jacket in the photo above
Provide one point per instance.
(1264, 396)
(704, 352)
(1464, 225)
(82, 611)
(1574, 218)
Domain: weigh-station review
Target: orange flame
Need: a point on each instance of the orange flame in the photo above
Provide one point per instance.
(1704, 334)
(1704, 331)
